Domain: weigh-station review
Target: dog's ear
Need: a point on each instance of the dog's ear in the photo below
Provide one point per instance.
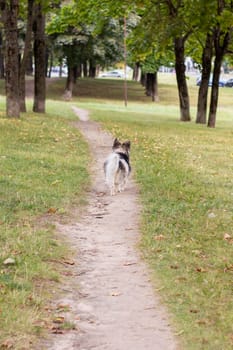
(116, 144)
(126, 145)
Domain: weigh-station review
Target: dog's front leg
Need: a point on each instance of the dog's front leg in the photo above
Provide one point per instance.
(112, 190)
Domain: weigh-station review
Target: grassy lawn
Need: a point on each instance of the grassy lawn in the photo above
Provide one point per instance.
(43, 174)
(184, 173)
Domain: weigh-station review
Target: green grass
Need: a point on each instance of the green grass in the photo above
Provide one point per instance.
(43, 174)
(184, 172)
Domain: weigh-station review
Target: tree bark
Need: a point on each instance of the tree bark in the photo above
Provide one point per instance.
(181, 79)
(143, 79)
(92, 69)
(40, 60)
(2, 67)
(10, 16)
(136, 71)
(69, 84)
(85, 70)
(24, 61)
(155, 94)
(29, 66)
(207, 56)
(152, 86)
(220, 51)
(148, 84)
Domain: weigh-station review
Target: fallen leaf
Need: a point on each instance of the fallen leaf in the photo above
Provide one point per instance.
(159, 238)
(201, 269)
(7, 344)
(175, 267)
(129, 263)
(180, 332)
(51, 210)
(201, 322)
(63, 307)
(69, 262)
(227, 236)
(231, 337)
(59, 319)
(55, 182)
(181, 278)
(228, 268)
(9, 261)
(193, 311)
(56, 330)
(115, 294)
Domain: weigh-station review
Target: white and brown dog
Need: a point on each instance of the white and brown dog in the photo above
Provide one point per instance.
(117, 167)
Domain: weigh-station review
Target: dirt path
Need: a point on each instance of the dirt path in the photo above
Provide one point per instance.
(110, 298)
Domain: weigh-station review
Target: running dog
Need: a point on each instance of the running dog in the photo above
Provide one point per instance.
(117, 167)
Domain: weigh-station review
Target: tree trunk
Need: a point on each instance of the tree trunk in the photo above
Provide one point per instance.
(181, 79)
(148, 84)
(92, 69)
(40, 60)
(221, 45)
(77, 72)
(136, 71)
(69, 84)
(152, 86)
(2, 67)
(60, 69)
(29, 66)
(10, 15)
(214, 93)
(143, 79)
(24, 61)
(85, 69)
(206, 70)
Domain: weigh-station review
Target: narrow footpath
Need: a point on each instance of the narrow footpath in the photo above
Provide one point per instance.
(109, 294)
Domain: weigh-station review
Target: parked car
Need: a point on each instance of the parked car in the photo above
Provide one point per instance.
(229, 83)
(113, 74)
(221, 82)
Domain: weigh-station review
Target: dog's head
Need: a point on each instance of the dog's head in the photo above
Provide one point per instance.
(121, 147)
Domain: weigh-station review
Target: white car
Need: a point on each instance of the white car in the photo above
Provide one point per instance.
(113, 74)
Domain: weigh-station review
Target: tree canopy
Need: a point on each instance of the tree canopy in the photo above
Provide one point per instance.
(88, 35)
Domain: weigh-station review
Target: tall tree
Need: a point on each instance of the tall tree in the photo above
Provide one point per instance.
(82, 42)
(177, 14)
(2, 67)
(26, 54)
(10, 11)
(222, 34)
(39, 58)
(207, 56)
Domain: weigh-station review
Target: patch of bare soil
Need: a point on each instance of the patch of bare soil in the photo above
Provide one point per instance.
(108, 298)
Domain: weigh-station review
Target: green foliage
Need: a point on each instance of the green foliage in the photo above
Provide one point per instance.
(64, 21)
(82, 39)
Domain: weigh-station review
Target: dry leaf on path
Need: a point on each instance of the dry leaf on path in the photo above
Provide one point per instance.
(59, 319)
(115, 294)
(7, 344)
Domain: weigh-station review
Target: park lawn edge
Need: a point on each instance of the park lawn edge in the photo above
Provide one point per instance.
(44, 176)
(185, 183)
